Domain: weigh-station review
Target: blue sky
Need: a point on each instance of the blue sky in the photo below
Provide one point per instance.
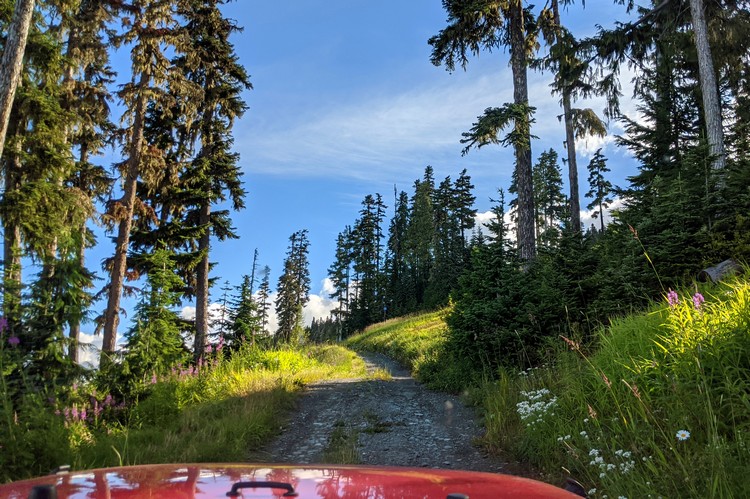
(346, 103)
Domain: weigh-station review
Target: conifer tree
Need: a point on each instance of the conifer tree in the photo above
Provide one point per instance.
(419, 238)
(573, 80)
(293, 290)
(214, 176)
(486, 25)
(464, 203)
(154, 343)
(549, 197)
(340, 274)
(601, 188)
(397, 282)
(367, 236)
(151, 27)
(245, 321)
(12, 61)
(264, 299)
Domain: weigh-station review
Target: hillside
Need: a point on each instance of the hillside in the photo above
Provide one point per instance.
(656, 405)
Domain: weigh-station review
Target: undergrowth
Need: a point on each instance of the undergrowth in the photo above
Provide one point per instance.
(657, 406)
(418, 342)
(218, 413)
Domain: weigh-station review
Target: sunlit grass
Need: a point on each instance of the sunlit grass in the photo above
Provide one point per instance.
(221, 413)
(418, 343)
(662, 408)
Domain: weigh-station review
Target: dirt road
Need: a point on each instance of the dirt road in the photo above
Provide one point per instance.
(395, 422)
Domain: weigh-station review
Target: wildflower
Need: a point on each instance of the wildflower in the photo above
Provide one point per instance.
(3, 324)
(572, 344)
(209, 348)
(13, 341)
(154, 379)
(592, 412)
(698, 300)
(672, 298)
(682, 435)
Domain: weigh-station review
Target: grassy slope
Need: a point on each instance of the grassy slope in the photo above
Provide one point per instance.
(612, 417)
(418, 342)
(220, 414)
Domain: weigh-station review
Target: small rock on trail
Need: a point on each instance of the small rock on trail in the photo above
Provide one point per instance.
(397, 422)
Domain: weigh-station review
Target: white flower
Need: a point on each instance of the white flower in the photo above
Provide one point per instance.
(682, 435)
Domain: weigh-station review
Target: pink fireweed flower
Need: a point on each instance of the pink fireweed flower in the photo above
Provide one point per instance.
(209, 348)
(698, 300)
(14, 341)
(153, 379)
(672, 298)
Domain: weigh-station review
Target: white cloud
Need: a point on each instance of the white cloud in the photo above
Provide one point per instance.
(483, 219)
(587, 219)
(89, 348)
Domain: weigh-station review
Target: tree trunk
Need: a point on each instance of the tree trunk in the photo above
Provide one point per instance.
(524, 183)
(709, 88)
(574, 202)
(202, 288)
(12, 62)
(570, 146)
(12, 245)
(74, 325)
(125, 212)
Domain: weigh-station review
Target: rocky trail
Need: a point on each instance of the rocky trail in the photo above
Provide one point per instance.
(395, 422)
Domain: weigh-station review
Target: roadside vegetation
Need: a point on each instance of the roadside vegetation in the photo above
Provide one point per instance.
(654, 405)
(219, 412)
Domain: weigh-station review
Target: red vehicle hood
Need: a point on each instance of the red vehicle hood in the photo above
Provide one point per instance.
(217, 480)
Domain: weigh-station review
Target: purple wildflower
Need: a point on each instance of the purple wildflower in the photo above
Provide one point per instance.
(672, 298)
(209, 348)
(108, 401)
(3, 324)
(13, 341)
(698, 300)
(153, 379)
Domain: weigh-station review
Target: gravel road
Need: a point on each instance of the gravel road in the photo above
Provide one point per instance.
(395, 422)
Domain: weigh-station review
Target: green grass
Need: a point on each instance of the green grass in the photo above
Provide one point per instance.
(610, 416)
(221, 414)
(617, 411)
(342, 445)
(418, 343)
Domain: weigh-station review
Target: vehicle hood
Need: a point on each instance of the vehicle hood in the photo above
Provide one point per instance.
(188, 481)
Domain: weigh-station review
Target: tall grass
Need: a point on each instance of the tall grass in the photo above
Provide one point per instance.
(418, 343)
(662, 408)
(222, 412)
(659, 408)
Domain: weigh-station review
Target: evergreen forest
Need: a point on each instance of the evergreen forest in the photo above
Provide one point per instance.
(512, 289)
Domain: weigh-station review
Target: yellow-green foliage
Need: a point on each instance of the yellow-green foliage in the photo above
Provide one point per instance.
(223, 412)
(418, 343)
(409, 340)
(661, 408)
